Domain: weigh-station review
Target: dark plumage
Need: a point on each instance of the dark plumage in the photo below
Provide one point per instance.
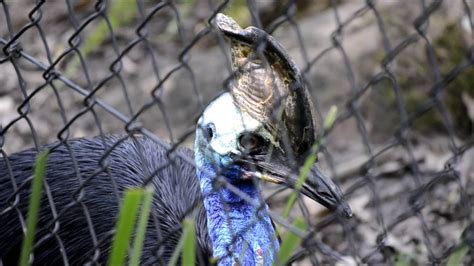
(234, 141)
(129, 164)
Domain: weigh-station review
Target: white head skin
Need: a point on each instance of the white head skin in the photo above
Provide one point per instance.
(225, 133)
(222, 124)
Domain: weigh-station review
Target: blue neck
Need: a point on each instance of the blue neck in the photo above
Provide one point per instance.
(237, 231)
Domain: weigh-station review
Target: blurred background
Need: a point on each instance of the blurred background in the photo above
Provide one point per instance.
(400, 73)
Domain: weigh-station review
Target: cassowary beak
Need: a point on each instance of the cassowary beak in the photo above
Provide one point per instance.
(322, 189)
(317, 186)
(269, 87)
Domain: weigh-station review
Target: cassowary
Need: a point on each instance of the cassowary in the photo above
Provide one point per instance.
(262, 129)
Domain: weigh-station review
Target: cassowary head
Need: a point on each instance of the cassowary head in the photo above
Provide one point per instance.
(263, 128)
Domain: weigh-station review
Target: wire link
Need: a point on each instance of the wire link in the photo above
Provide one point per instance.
(80, 97)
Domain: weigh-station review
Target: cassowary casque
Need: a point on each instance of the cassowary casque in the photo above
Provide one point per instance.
(261, 130)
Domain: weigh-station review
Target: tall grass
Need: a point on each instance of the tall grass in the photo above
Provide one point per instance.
(141, 227)
(290, 241)
(129, 212)
(119, 12)
(33, 207)
(124, 227)
(186, 245)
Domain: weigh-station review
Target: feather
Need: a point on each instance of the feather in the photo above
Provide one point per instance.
(129, 165)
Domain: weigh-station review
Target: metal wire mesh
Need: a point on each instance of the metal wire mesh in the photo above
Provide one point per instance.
(155, 73)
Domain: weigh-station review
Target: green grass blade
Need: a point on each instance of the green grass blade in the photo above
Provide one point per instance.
(125, 225)
(33, 207)
(141, 227)
(189, 245)
(186, 245)
(308, 164)
(174, 258)
(457, 256)
(330, 117)
(290, 241)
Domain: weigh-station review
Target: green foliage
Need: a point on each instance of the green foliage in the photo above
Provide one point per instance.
(141, 226)
(239, 11)
(415, 79)
(457, 256)
(124, 227)
(451, 51)
(186, 245)
(290, 242)
(404, 260)
(119, 12)
(330, 117)
(33, 207)
(309, 162)
(189, 247)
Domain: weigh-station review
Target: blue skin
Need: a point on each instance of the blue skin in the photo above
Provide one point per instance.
(236, 232)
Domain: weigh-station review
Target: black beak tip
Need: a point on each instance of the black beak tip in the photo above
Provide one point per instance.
(345, 210)
(326, 192)
(340, 207)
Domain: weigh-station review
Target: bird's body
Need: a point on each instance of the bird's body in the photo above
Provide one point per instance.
(94, 191)
(130, 163)
(236, 147)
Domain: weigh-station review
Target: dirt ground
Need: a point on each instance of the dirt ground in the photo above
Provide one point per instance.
(406, 203)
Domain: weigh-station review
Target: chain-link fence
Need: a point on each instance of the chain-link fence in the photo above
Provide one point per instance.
(400, 73)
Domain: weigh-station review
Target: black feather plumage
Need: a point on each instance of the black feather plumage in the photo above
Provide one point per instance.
(129, 164)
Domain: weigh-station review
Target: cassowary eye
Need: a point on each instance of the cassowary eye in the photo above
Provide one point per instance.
(251, 142)
(208, 131)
